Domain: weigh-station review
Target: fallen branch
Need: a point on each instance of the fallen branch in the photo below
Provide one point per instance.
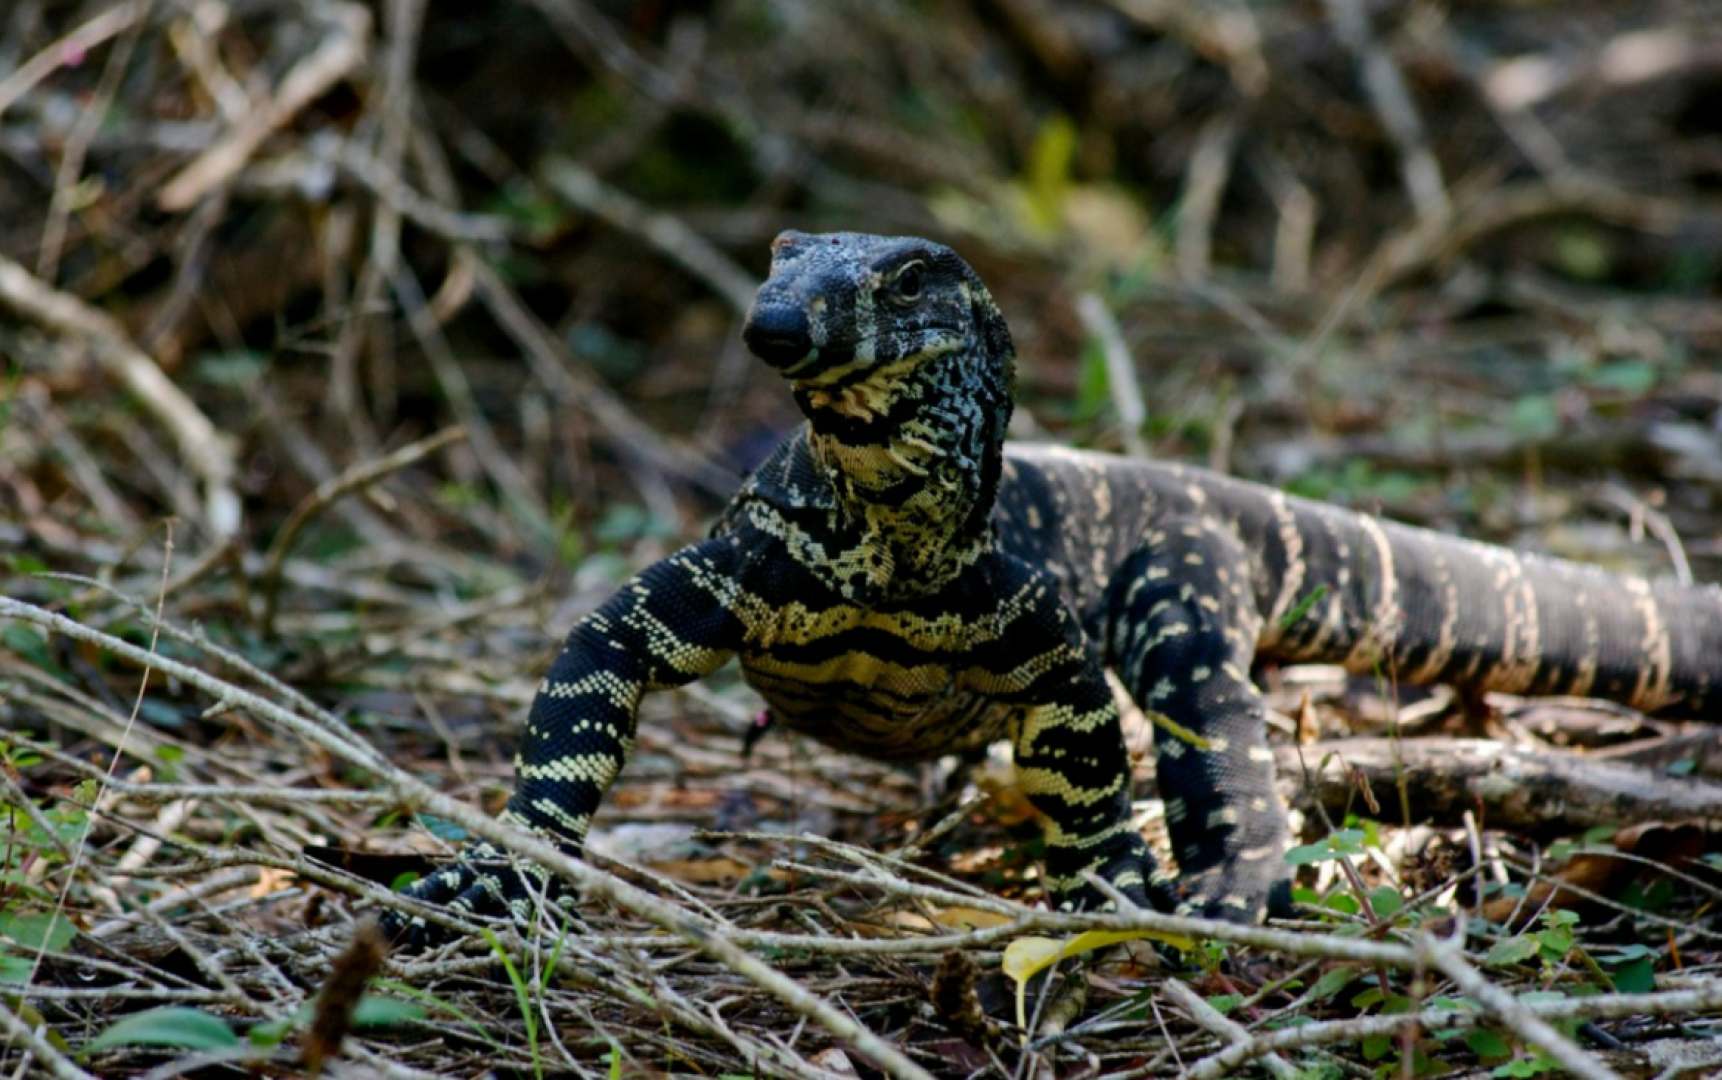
(1540, 793)
(1512, 1012)
(1216, 1023)
(1704, 999)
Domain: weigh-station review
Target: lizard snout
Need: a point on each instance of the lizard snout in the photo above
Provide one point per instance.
(778, 333)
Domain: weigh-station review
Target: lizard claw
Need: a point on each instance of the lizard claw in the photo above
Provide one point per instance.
(1130, 869)
(484, 882)
(1234, 896)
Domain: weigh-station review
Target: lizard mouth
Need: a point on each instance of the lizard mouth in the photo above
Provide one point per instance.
(883, 358)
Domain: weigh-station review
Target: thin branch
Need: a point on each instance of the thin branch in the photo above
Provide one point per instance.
(59, 53)
(1707, 998)
(1512, 1012)
(1217, 1023)
(1205, 182)
(339, 55)
(1391, 99)
(353, 479)
(77, 145)
(672, 238)
(1120, 371)
(56, 1064)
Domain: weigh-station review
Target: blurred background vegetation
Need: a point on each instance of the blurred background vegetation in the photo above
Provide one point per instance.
(1411, 254)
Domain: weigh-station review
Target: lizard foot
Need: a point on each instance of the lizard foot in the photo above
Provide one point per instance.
(483, 881)
(1125, 863)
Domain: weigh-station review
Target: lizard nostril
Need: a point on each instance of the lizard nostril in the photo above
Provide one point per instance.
(779, 334)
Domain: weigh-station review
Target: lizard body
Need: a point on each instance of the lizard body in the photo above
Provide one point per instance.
(898, 581)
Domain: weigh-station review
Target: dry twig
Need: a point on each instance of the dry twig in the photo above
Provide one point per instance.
(338, 56)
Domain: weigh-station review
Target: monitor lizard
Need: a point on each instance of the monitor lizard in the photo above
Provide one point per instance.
(899, 581)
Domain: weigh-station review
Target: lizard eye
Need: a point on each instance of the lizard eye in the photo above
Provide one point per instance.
(906, 286)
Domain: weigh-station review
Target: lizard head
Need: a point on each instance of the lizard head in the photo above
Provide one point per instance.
(851, 320)
(903, 366)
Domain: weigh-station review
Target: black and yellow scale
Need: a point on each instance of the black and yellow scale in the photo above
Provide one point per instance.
(898, 581)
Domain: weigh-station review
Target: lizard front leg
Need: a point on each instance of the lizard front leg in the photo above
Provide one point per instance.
(1067, 742)
(672, 624)
(1072, 764)
(1182, 629)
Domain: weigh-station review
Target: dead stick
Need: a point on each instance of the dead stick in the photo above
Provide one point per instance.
(1221, 1026)
(50, 1059)
(1512, 1012)
(108, 24)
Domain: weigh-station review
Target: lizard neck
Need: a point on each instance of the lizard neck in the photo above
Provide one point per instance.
(913, 452)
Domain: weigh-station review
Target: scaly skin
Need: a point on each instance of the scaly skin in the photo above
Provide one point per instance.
(898, 582)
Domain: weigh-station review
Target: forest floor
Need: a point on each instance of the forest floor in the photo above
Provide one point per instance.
(353, 352)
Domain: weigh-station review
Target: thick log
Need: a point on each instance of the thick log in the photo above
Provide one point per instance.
(1541, 793)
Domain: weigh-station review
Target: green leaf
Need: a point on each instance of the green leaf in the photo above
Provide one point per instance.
(269, 1034)
(1225, 1003)
(29, 643)
(377, 1011)
(1342, 903)
(1621, 954)
(161, 714)
(15, 969)
(1513, 950)
(1332, 981)
(1555, 943)
(1487, 1044)
(1634, 977)
(1376, 1047)
(1584, 252)
(1535, 416)
(444, 829)
(1397, 1005)
(1631, 376)
(1344, 842)
(235, 370)
(1302, 607)
(1386, 902)
(34, 930)
(1049, 167)
(175, 1025)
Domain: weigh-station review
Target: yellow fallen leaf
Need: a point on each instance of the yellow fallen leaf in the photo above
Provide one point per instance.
(1026, 956)
(1022, 958)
